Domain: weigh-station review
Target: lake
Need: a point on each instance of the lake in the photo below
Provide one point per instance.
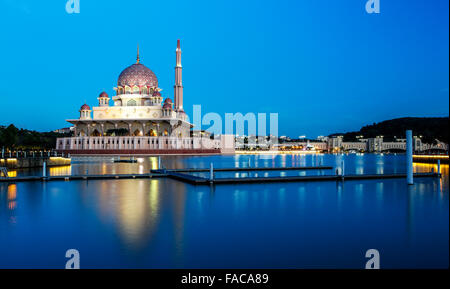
(164, 223)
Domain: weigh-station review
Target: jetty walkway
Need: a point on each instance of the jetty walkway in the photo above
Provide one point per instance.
(184, 175)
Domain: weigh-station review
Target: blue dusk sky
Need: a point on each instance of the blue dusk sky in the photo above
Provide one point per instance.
(324, 66)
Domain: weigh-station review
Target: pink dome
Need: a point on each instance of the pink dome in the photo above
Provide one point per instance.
(85, 107)
(138, 74)
(168, 100)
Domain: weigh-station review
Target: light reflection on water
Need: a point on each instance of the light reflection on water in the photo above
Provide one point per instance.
(162, 223)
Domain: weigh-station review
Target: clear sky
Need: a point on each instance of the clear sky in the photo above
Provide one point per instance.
(324, 65)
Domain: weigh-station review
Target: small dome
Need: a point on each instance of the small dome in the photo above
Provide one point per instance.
(104, 94)
(167, 103)
(138, 74)
(156, 93)
(85, 107)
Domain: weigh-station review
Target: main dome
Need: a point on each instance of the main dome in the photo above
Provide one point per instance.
(138, 74)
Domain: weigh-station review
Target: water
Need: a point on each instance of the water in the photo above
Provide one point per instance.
(163, 223)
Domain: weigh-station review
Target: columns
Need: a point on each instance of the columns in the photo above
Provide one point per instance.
(439, 168)
(409, 158)
(143, 128)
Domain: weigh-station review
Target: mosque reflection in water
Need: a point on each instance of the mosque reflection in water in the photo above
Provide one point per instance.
(136, 207)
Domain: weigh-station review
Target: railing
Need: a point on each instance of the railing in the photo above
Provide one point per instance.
(135, 143)
(24, 154)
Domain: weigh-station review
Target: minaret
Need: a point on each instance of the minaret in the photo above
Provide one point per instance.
(138, 59)
(178, 82)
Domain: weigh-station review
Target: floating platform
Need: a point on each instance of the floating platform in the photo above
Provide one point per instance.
(245, 169)
(180, 175)
(205, 181)
(125, 161)
(80, 177)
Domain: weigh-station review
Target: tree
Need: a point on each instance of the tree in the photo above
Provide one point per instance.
(9, 136)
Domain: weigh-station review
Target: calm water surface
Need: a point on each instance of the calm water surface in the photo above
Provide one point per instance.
(163, 223)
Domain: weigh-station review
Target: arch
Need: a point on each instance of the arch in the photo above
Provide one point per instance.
(137, 132)
(127, 90)
(152, 132)
(144, 90)
(120, 90)
(117, 132)
(136, 90)
(131, 102)
(95, 133)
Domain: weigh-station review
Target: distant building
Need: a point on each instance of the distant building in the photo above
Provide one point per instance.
(65, 130)
(336, 144)
(322, 138)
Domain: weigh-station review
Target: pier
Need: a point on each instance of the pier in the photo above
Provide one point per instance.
(23, 159)
(282, 179)
(79, 177)
(249, 169)
(183, 176)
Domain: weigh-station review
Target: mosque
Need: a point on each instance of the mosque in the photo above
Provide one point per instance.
(140, 121)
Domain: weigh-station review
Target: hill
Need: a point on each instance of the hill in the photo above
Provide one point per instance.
(430, 128)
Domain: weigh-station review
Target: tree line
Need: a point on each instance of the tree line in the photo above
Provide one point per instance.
(13, 138)
(429, 128)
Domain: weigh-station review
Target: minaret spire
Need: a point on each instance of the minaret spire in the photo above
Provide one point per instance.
(138, 59)
(178, 80)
